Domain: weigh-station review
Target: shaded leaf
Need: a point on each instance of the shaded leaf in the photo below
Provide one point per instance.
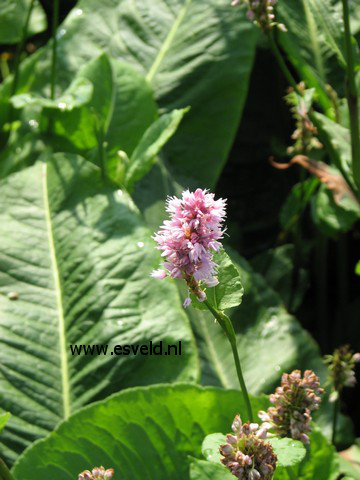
(276, 265)
(296, 202)
(143, 433)
(332, 218)
(75, 263)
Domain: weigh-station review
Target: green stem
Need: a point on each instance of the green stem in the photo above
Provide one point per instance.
(19, 51)
(351, 93)
(5, 472)
(281, 62)
(335, 417)
(55, 20)
(291, 474)
(227, 326)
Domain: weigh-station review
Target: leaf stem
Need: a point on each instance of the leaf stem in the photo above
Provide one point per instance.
(19, 51)
(20, 48)
(281, 62)
(351, 94)
(335, 417)
(55, 20)
(227, 326)
(5, 472)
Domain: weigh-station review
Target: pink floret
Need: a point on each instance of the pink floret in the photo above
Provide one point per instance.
(189, 239)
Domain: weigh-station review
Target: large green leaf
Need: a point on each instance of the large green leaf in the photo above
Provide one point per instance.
(143, 433)
(12, 20)
(197, 53)
(75, 263)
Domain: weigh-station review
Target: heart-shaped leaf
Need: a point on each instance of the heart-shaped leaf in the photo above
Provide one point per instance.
(289, 452)
(210, 446)
(143, 433)
(229, 291)
(75, 263)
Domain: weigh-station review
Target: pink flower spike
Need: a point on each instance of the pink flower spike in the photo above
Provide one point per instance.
(160, 274)
(189, 239)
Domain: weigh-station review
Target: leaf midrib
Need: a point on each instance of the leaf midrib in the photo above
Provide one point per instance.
(57, 286)
(168, 41)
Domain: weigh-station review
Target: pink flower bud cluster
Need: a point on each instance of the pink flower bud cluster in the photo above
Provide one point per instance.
(342, 369)
(189, 239)
(97, 473)
(245, 454)
(262, 13)
(293, 403)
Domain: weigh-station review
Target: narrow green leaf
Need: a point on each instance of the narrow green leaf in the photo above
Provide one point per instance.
(210, 447)
(289, 452)
(4, 417)
(339, 145)
(202, 470)
(143, 433)
(155, 137)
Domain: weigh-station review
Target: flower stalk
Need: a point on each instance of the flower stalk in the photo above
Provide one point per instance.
(227, 326)
(55, 21)
(351, 94)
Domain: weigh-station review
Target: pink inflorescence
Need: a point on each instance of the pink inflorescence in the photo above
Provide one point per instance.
(293, 403)
(245, 453)
(189, 239)
(97, 473)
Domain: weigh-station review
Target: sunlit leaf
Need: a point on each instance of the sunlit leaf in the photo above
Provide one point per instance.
(75, 263)
(141, 433)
